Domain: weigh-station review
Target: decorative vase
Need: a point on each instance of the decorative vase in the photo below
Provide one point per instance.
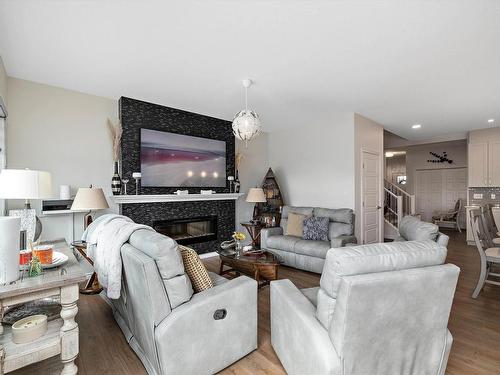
(116, 181)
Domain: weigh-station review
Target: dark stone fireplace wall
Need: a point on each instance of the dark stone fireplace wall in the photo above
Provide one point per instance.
(136, 114)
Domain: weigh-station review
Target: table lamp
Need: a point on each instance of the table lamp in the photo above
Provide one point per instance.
(26, 184)
(89, 199)
(255, 195)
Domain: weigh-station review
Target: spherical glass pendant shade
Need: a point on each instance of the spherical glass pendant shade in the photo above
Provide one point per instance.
(246, 125)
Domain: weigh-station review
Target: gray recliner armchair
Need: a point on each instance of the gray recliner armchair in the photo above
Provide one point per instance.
(381, 309)
(413, 229)
(172, 330)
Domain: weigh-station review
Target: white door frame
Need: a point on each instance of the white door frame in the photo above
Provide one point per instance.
(380, 198)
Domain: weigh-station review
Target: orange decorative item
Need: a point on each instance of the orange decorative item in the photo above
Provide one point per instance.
(24, 257)
(44, 253)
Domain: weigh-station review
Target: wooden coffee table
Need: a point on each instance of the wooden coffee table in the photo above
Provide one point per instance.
(262, 266)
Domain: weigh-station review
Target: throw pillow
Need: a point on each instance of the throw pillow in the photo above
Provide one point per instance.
(295, 224)
(316, 228)
(195, 269)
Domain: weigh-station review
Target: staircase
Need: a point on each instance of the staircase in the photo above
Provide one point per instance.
(397, 204)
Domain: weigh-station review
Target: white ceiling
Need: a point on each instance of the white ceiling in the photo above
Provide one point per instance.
(397, 62)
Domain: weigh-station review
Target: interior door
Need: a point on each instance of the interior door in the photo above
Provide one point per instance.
(494, 163)
(371, 201)
(478, 164)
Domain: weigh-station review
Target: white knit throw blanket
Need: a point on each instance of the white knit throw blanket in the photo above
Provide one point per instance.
(109, 237)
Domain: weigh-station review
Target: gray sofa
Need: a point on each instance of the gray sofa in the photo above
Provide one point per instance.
(380, 309)
(305, 254)
(413, 229)
(172, 330)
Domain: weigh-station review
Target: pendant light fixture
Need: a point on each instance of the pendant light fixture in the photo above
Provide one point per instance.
(246, 123)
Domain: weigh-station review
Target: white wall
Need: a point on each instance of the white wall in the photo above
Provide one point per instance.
(252, 170)
(63, 132)
(417, 156)
(368, 136)
(314, 163)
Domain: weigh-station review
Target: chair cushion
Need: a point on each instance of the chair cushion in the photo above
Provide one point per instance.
(380, 257)
(413, 229)
(195, 269)
(316, 249)
(286, 243)
(496, 241)
(295, 225)
(340, 215)
(316, 228)
(493, 253)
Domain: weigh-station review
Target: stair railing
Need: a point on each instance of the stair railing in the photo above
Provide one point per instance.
(398, 203)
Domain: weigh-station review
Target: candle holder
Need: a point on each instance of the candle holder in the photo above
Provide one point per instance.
(125, 182)
(137, 177)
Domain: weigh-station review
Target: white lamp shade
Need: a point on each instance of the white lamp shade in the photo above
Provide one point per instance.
(256, 195)
(89, 199)
(25, 184)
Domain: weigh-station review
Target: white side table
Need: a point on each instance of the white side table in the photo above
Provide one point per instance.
(62, 335)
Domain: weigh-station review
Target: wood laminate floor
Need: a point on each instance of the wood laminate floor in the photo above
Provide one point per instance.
(475, 326)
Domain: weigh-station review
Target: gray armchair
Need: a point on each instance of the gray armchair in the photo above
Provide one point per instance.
(380, 309)
(172, 330)
(307, 254)
(414, 229)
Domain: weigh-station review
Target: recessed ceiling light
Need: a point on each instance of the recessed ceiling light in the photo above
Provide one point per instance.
(491, 120)
(389, 154)
(416, 126)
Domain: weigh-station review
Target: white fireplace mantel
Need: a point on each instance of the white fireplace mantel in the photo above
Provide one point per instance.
(157, 198)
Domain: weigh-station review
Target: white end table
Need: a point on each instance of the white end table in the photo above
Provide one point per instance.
(62, 335)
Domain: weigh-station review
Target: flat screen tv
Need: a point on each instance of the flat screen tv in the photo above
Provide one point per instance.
(176, 160)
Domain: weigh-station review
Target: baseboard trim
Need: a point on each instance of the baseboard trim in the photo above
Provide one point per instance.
(208, 255)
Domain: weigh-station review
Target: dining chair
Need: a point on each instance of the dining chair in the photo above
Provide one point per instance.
(491, 226)
(488, 254)
(450, 217)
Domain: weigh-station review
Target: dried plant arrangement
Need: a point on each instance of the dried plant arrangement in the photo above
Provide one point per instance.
(115, 133)
(237, 161)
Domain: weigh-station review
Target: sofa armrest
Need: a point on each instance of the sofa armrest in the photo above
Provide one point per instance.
(341, 241)
(300, 341)
(195, 330)
(268, 232)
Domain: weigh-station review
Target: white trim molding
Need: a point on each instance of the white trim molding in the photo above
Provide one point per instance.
(131, 199)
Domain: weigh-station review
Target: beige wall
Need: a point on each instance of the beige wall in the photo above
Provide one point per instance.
(63, 132)
(368, 136)
(252, 170)
(3, 81)
(314, 163)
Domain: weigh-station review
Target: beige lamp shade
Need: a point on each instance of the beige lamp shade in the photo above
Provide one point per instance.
(256, 195)
(89, 199)
(25, 184)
